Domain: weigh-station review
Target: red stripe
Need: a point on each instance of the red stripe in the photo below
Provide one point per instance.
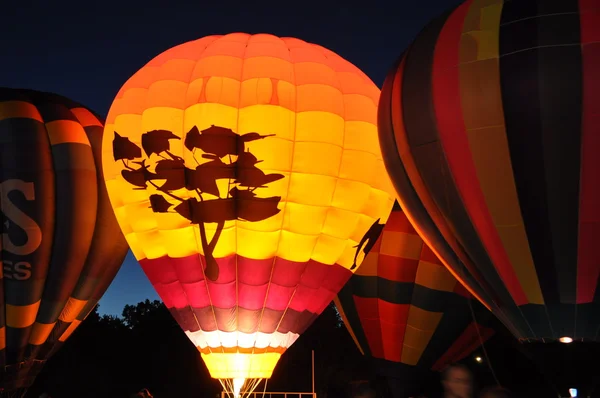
(367, 311)
(397, 269)
(385, 338)
(467, 343)
(589, 210)
(398, 222)
(453, 137)
(276, 284)
(392, 333)
(429, 256)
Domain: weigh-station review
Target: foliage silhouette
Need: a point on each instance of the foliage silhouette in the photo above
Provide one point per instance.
(115, 357)
(224, 157)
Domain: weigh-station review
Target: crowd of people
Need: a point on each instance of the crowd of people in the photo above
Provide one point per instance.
(457, 381)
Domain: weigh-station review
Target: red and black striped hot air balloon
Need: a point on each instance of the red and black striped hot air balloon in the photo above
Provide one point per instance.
(61, 244)
(490, 130)
(407, 312)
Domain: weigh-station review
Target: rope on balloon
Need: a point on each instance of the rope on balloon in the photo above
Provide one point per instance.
(485, 354)
(251, 384)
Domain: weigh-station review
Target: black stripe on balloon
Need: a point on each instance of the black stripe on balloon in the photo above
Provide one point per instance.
(423, 138)
(346, 298)
(405, 189)
(403, 293)
(541, 80)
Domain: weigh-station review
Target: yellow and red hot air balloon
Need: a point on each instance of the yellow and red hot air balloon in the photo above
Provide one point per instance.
(61, 244)
(246, 174)
(406, 311)
(490, 130)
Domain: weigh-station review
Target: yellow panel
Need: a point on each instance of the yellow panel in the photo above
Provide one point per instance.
(421, 325)
(21, 316)
(40, 332)
(435, 276)
(237, 365)
(369, 265)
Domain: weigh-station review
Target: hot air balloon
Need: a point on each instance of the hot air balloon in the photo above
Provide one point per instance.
(489, 125)
(61, 244)
(406, 312)
(246, 174)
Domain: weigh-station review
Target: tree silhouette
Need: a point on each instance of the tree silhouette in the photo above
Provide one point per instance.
(223, 157)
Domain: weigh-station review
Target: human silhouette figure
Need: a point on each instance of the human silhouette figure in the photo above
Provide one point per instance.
(368, 241)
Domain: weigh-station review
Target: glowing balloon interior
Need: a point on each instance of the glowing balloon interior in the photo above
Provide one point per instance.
(246, 174)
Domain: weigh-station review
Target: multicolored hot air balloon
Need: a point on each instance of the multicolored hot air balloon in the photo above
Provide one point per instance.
(407, 312)
(246, 173)
(61, 244)
(490, 129)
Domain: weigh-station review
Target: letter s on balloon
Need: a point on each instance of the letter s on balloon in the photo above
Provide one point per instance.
(17, 216)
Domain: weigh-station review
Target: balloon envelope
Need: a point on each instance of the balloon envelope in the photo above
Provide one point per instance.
(61, 244)
(246, 174)
(490, 130)
(407, 312)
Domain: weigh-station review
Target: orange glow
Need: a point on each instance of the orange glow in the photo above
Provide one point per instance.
(316, 119)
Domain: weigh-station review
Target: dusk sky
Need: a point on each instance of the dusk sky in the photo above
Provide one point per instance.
(87, 50)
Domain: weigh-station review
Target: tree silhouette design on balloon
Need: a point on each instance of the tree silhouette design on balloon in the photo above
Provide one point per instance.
(194, 193)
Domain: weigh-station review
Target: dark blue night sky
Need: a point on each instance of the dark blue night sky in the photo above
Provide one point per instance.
(86, 51)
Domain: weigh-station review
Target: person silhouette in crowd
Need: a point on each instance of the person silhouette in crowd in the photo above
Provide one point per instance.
(496, 392)
(457, 381)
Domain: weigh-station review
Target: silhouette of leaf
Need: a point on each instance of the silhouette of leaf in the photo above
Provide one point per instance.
(254, 136)
(219, 141)
(192, 139)
(207, 211)
(159, 204)
(255, 178)
(124, 149)
(157, 141)
(203, 179)
(257, 209)
(173, 172)
(138, 177)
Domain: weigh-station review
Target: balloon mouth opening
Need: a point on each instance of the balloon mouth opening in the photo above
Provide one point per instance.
(239, 387)
(238, 383)
(565, 340)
